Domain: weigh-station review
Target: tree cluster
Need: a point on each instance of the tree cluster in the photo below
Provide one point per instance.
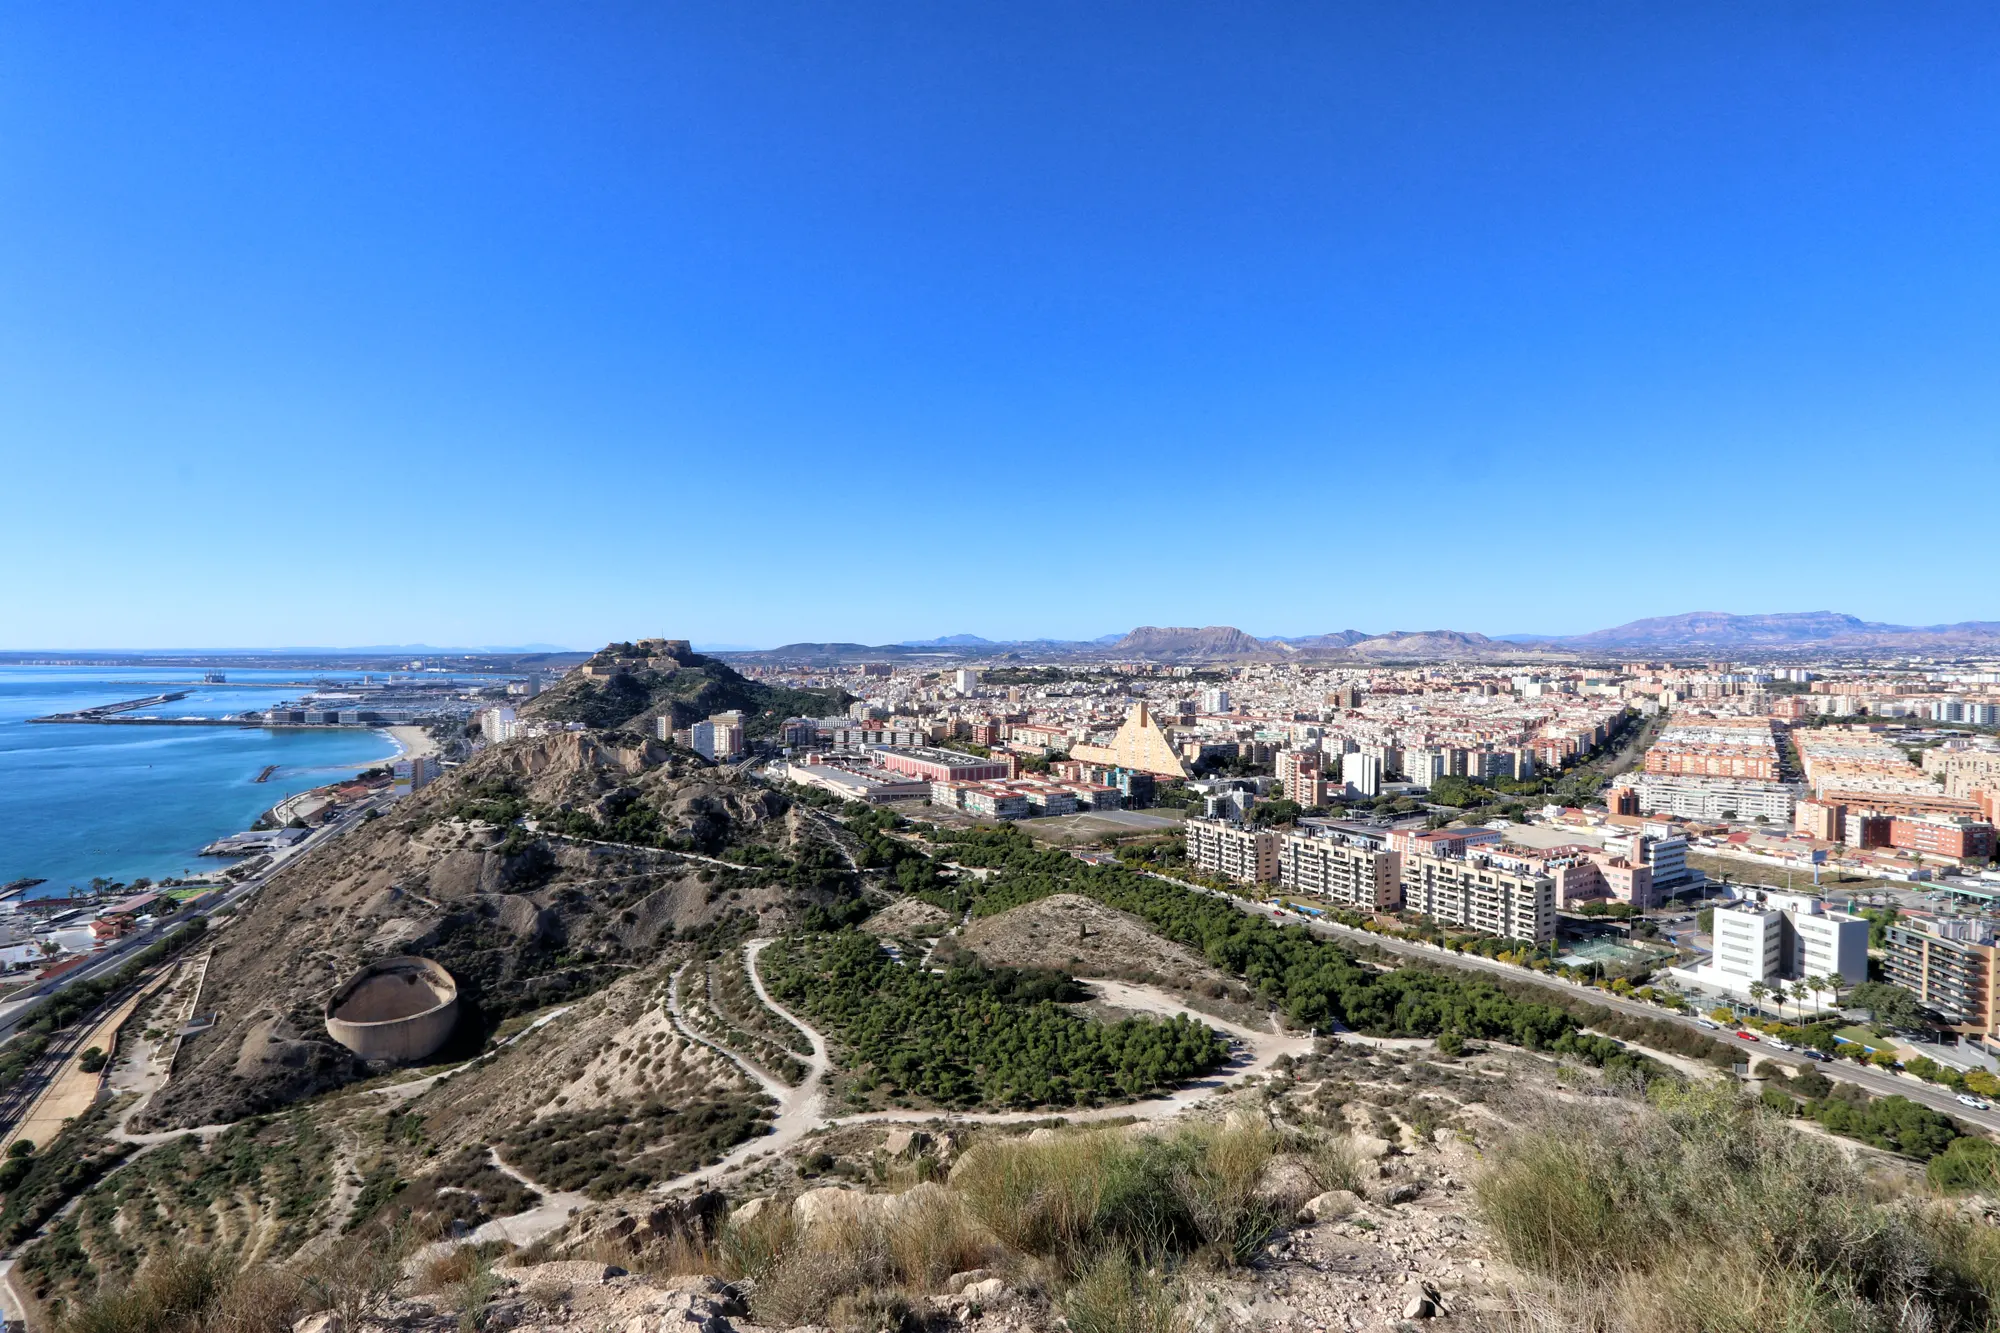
(978, 1036)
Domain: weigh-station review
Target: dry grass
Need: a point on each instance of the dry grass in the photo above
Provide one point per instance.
(1700, 1214)
(850, 1271)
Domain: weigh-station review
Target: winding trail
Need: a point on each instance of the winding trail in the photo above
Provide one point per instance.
(802, 1110)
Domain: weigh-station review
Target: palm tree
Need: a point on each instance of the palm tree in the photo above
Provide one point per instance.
(1758, 990)
(1801, 992)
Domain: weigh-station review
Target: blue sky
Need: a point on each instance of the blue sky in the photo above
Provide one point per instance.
(499, 323)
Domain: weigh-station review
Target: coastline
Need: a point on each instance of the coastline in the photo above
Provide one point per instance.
(412, 742)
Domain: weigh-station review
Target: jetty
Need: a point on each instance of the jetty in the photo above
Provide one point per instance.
(107, 712)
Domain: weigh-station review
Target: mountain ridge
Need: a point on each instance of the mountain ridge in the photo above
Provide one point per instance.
(1701, 631)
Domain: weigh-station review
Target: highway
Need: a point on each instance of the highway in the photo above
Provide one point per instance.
(1878, 1081)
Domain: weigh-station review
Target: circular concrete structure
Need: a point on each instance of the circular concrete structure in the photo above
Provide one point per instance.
(399, 1009)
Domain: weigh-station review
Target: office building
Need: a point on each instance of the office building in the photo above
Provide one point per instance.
(1232, 851)
(1776, 936)
(938, 765)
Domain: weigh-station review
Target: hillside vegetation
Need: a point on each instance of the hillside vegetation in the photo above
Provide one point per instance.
(689, 688)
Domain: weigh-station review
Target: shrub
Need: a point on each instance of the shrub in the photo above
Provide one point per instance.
(1115, 1294)
(1703, 1213)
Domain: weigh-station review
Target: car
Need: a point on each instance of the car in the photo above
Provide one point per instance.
(1816, 1055)
(1712, 1027)
(1782, 1045)
(1746, 1036)
(1967, 1099)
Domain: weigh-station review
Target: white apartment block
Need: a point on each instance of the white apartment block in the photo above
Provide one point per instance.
(1478, 895)
(1715, 798)
(1366, 878)
(1362, 773)
(1233, 851)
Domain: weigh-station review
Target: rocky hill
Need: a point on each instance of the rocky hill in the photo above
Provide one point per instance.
(521, 921)
(628, 685)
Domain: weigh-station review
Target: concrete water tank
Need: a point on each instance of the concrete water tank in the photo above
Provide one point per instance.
(399, 1009)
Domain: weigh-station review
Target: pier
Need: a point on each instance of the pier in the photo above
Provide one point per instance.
(109, 712)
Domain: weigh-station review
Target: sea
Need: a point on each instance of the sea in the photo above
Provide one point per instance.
(82, 801)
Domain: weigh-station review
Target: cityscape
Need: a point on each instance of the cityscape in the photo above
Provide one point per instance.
(999, 669)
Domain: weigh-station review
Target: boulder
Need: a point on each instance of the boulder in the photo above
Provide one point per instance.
(905, 1142)
(1369, 1148)
(1287, 1181)
(1330, 1206)
(697, 1218)
(750, 1210)
(566, 1273)
(1042, 1135)
(828, 1204)
(1405, 1192)
(958, 1282)
(986, 1291)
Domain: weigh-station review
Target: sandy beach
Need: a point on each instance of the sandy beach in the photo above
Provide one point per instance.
(414, 742)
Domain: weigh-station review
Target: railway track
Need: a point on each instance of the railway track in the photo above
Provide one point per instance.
(19, 1097)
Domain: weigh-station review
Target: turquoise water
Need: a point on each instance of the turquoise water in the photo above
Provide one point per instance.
(117, 802)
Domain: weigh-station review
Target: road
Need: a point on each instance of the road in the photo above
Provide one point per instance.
(18, 1096)
(1878, 1081)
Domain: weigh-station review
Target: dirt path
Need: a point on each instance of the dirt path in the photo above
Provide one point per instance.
(802, 1110)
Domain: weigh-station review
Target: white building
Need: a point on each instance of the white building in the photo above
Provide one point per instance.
(1774, 936)
(1362, 773)
(1424, 767)
(1714, 798)
(965, 680)
(1215, 699)
(494, 724)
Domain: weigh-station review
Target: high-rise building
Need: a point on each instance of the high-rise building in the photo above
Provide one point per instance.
(1361, 773)
(1300, 772)
(1356, 870)
(1424, 767)
(1475, 892)
(965, 680)
(1214, 700)
(1233, 851)
(494, 722)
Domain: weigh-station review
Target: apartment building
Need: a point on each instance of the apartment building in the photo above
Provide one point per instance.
(1955, 836)
(1355, 869)
(1950, 964)
(1233, 851)
(1713, 798)
(1361, 773)
(1300, 772)
(1479, 894)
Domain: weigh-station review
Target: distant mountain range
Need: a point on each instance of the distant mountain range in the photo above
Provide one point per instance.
(1707, 633)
